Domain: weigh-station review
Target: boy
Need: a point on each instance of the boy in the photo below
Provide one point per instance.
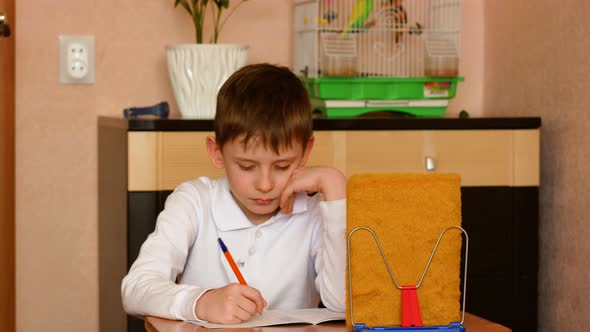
(289, 245)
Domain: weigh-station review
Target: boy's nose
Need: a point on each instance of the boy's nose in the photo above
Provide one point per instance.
(264, 182)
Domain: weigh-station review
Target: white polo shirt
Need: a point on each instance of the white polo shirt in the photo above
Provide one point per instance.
(293, 260)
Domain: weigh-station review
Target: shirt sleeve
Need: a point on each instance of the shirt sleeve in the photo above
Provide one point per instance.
(150, 288)
(330, 262)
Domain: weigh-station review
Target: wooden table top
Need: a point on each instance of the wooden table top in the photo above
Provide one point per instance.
(472, 323)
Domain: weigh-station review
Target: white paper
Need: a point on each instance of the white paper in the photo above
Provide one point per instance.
(279, 317)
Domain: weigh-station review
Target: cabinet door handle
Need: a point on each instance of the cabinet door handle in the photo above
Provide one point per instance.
(4, 27)
(429, 164)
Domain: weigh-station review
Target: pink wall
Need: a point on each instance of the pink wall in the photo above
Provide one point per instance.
(537, 64)
(469, 95)
(56, 147)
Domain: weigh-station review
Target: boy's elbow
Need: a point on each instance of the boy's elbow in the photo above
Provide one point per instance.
(127, 297)
(335, 305)
(125, 294)
(334, 300)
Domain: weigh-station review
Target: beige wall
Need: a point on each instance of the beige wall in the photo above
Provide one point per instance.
(56, 152)
(537, 64)
(7, 294)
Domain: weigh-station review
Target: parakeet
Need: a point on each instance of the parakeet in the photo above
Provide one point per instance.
(397, 12)
(330, 15)
(360, 12)
(400, 17)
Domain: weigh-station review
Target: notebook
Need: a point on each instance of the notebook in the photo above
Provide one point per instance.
(281, 317)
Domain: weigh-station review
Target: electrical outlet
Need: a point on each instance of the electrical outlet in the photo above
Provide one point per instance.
(77, 59)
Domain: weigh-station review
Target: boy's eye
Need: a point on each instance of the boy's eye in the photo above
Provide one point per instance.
(282, 167)
(246, 167)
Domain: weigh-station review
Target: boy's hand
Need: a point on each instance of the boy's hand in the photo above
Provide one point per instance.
(232, 304)
(326, 180)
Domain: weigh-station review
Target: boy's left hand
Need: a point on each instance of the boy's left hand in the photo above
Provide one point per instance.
(326, 180)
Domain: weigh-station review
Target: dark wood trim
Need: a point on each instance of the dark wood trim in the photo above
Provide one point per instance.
(426, 123)
(176, 124)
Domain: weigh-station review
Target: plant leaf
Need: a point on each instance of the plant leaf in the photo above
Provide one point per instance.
(185, 5)
(221, 3)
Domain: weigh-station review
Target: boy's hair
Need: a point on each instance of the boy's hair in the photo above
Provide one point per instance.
(265, 101)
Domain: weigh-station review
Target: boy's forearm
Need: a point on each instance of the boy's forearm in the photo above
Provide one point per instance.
(149, 295)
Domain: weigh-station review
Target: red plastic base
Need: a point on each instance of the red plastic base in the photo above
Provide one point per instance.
(410, 307)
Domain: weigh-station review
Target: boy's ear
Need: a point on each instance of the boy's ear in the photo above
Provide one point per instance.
(307, 151)
(214, 152)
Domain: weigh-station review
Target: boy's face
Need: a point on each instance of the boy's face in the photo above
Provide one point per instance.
(256, 174)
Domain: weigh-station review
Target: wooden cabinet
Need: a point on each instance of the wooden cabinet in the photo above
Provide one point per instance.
(162, 160)
(142, 161)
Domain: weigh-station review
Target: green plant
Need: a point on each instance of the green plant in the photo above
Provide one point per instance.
(197, 8)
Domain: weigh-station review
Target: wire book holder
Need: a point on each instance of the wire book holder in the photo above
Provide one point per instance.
(411, 318)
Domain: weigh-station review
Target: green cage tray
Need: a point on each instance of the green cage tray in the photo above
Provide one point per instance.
(417, 96)
(382, 88)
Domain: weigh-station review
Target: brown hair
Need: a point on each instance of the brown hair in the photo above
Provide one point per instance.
(265, 101)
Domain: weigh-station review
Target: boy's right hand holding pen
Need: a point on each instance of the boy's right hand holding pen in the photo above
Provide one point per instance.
(232, 304)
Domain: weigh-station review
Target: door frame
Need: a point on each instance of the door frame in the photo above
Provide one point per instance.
(7, 172)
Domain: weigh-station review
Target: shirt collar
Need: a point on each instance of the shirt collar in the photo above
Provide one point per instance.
(228, 216)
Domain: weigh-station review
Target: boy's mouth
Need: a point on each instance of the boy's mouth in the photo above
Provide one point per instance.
(260, 201)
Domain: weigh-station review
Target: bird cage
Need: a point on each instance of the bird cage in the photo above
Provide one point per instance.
(377, 38)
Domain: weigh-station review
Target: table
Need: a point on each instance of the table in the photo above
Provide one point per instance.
(472, 323)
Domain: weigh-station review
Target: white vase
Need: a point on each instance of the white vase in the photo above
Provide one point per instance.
(197, 71)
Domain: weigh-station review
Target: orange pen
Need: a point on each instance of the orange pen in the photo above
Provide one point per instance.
(231, 262)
